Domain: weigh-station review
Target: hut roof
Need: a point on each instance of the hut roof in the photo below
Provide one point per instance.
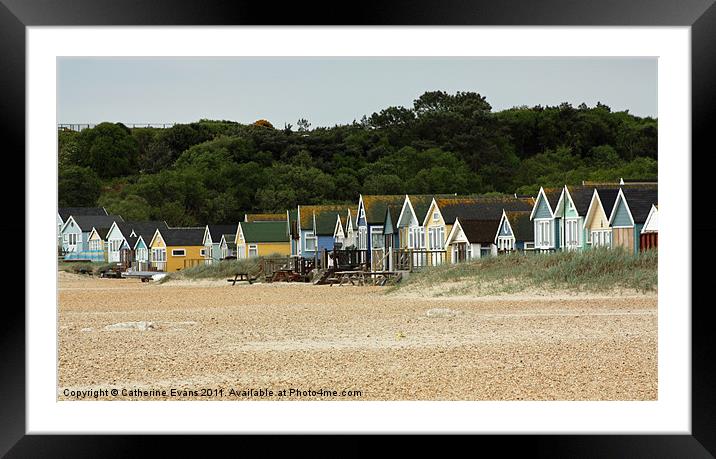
(102, 232)
(216, 231)
(521, 225)
(145, 229)
(480, 207)
(325, 217)
(376, 205)
(87, 222)
(264, 231)
(67, 212)
(480, 231)
(265, 218)
(640, 201)
(192, 236)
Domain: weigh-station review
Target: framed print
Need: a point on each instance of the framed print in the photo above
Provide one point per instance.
(435, 219)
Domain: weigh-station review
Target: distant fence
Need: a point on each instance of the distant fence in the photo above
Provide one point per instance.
(80, 126)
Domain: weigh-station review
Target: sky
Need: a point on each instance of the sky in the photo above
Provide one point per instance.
(329, 91)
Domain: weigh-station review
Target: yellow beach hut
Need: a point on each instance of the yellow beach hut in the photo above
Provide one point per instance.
(260, 239)
(174, 249)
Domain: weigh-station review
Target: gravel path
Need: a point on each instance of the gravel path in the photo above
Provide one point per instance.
(134, 337)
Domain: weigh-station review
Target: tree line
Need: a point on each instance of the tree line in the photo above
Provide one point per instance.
(212, 171)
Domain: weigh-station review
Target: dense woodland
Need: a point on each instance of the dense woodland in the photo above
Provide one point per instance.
(214, 171)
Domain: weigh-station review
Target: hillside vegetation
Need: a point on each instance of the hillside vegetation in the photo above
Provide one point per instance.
(598, 270)
(214, 171)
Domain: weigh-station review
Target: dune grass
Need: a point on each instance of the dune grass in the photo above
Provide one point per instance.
(221, 270)
(84, 267)
(598, 270)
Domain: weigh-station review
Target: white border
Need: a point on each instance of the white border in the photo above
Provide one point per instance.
(671, 413)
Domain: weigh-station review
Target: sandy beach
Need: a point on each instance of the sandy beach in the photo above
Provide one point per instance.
(208, 340)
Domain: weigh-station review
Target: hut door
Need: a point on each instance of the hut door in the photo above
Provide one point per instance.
(461, 254)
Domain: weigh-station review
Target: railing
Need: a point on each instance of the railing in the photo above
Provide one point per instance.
(80, 126)
(416, 259)
(345, 259)
(141, 266)
(191, 262)
(270, 265)
(380, 259)
(158, 266)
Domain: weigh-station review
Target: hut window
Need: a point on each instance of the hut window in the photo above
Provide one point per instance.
(436, 216)
(437, 238)
(72, 239)
(178, 252)
(376, 237)
(202, 252)
(543, 233)
(159, 254)
(572, 236)
(362, 237)
(310, 241)
(253, 250)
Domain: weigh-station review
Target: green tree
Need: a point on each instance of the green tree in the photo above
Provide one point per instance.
(108, 149)
(604, 156)
(131, 207)
(383, 184)
(78, 187)
(68, 148)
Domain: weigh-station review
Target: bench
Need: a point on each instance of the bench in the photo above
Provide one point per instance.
(242, 277)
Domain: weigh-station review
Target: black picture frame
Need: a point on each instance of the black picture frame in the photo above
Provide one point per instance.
(700, 15)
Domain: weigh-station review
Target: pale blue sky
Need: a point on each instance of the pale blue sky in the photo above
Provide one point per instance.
(330, 91)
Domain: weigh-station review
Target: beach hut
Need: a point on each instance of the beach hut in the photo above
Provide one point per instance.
(444, 211)
(64, 213)
(471, 239)
(141, 254)
(316, 226)
(339, 232)
(570, 210)
(391, 236)
(410, 221)
(350, 227)
(545, 219)
(597, 231)
(227, 245)
(212, 241)
(515, 232)
(122, 238)
(96, 248)
(650, 231)
(371, 223)
(631, 209)
(75, 234)
(174, 249)
(258, 239)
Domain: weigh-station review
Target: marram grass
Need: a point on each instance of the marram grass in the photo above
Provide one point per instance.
(221, 270)
(81, 266)
(595, 270)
